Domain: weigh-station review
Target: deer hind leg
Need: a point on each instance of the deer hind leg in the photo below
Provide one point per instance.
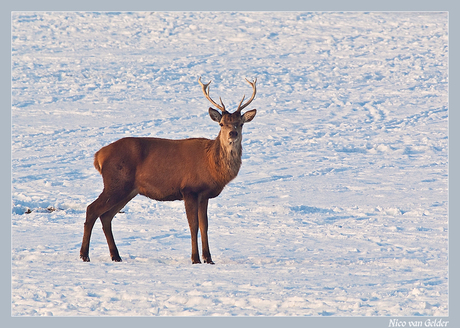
(203, 222)
(89, 224)
(106, 220)
(104, 203)
(191, 209)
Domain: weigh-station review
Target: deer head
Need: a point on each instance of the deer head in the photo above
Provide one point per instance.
(231, 124)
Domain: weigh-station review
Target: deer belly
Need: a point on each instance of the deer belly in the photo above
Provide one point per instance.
(168, 192)
(161, 194)
(159, 187)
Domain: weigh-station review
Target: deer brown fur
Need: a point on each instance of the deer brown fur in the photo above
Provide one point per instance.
(193, 170)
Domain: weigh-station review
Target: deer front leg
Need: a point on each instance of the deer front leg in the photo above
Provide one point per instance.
(203, 222)
(191, 209)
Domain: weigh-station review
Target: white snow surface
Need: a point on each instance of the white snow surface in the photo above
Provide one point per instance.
(340, 207)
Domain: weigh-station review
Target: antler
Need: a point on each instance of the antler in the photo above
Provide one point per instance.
(205, 88)
(253, 84)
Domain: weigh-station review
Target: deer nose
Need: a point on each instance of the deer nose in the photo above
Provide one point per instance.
(233, 134)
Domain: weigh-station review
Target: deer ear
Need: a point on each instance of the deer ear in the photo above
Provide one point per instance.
(215, 115)
(249, 115)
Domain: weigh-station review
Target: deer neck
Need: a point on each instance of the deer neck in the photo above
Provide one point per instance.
(226, 159)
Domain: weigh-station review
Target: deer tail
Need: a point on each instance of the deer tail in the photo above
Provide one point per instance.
(97, 162)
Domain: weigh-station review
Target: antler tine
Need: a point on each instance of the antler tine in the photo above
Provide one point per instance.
(253, 84)
(205, 88)
(241, 102)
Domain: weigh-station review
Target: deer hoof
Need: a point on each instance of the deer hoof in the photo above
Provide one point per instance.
(116, 259)
(84, 258)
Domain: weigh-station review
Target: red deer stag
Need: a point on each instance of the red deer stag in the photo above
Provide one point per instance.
(193, 170)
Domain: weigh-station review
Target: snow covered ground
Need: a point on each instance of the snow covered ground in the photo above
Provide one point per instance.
(340, 207)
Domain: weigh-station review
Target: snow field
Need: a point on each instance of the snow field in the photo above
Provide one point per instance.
(340, 207)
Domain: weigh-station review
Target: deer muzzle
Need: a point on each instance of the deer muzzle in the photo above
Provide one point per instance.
(233, 134)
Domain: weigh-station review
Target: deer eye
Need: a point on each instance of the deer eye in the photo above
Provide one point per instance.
(221, 124)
